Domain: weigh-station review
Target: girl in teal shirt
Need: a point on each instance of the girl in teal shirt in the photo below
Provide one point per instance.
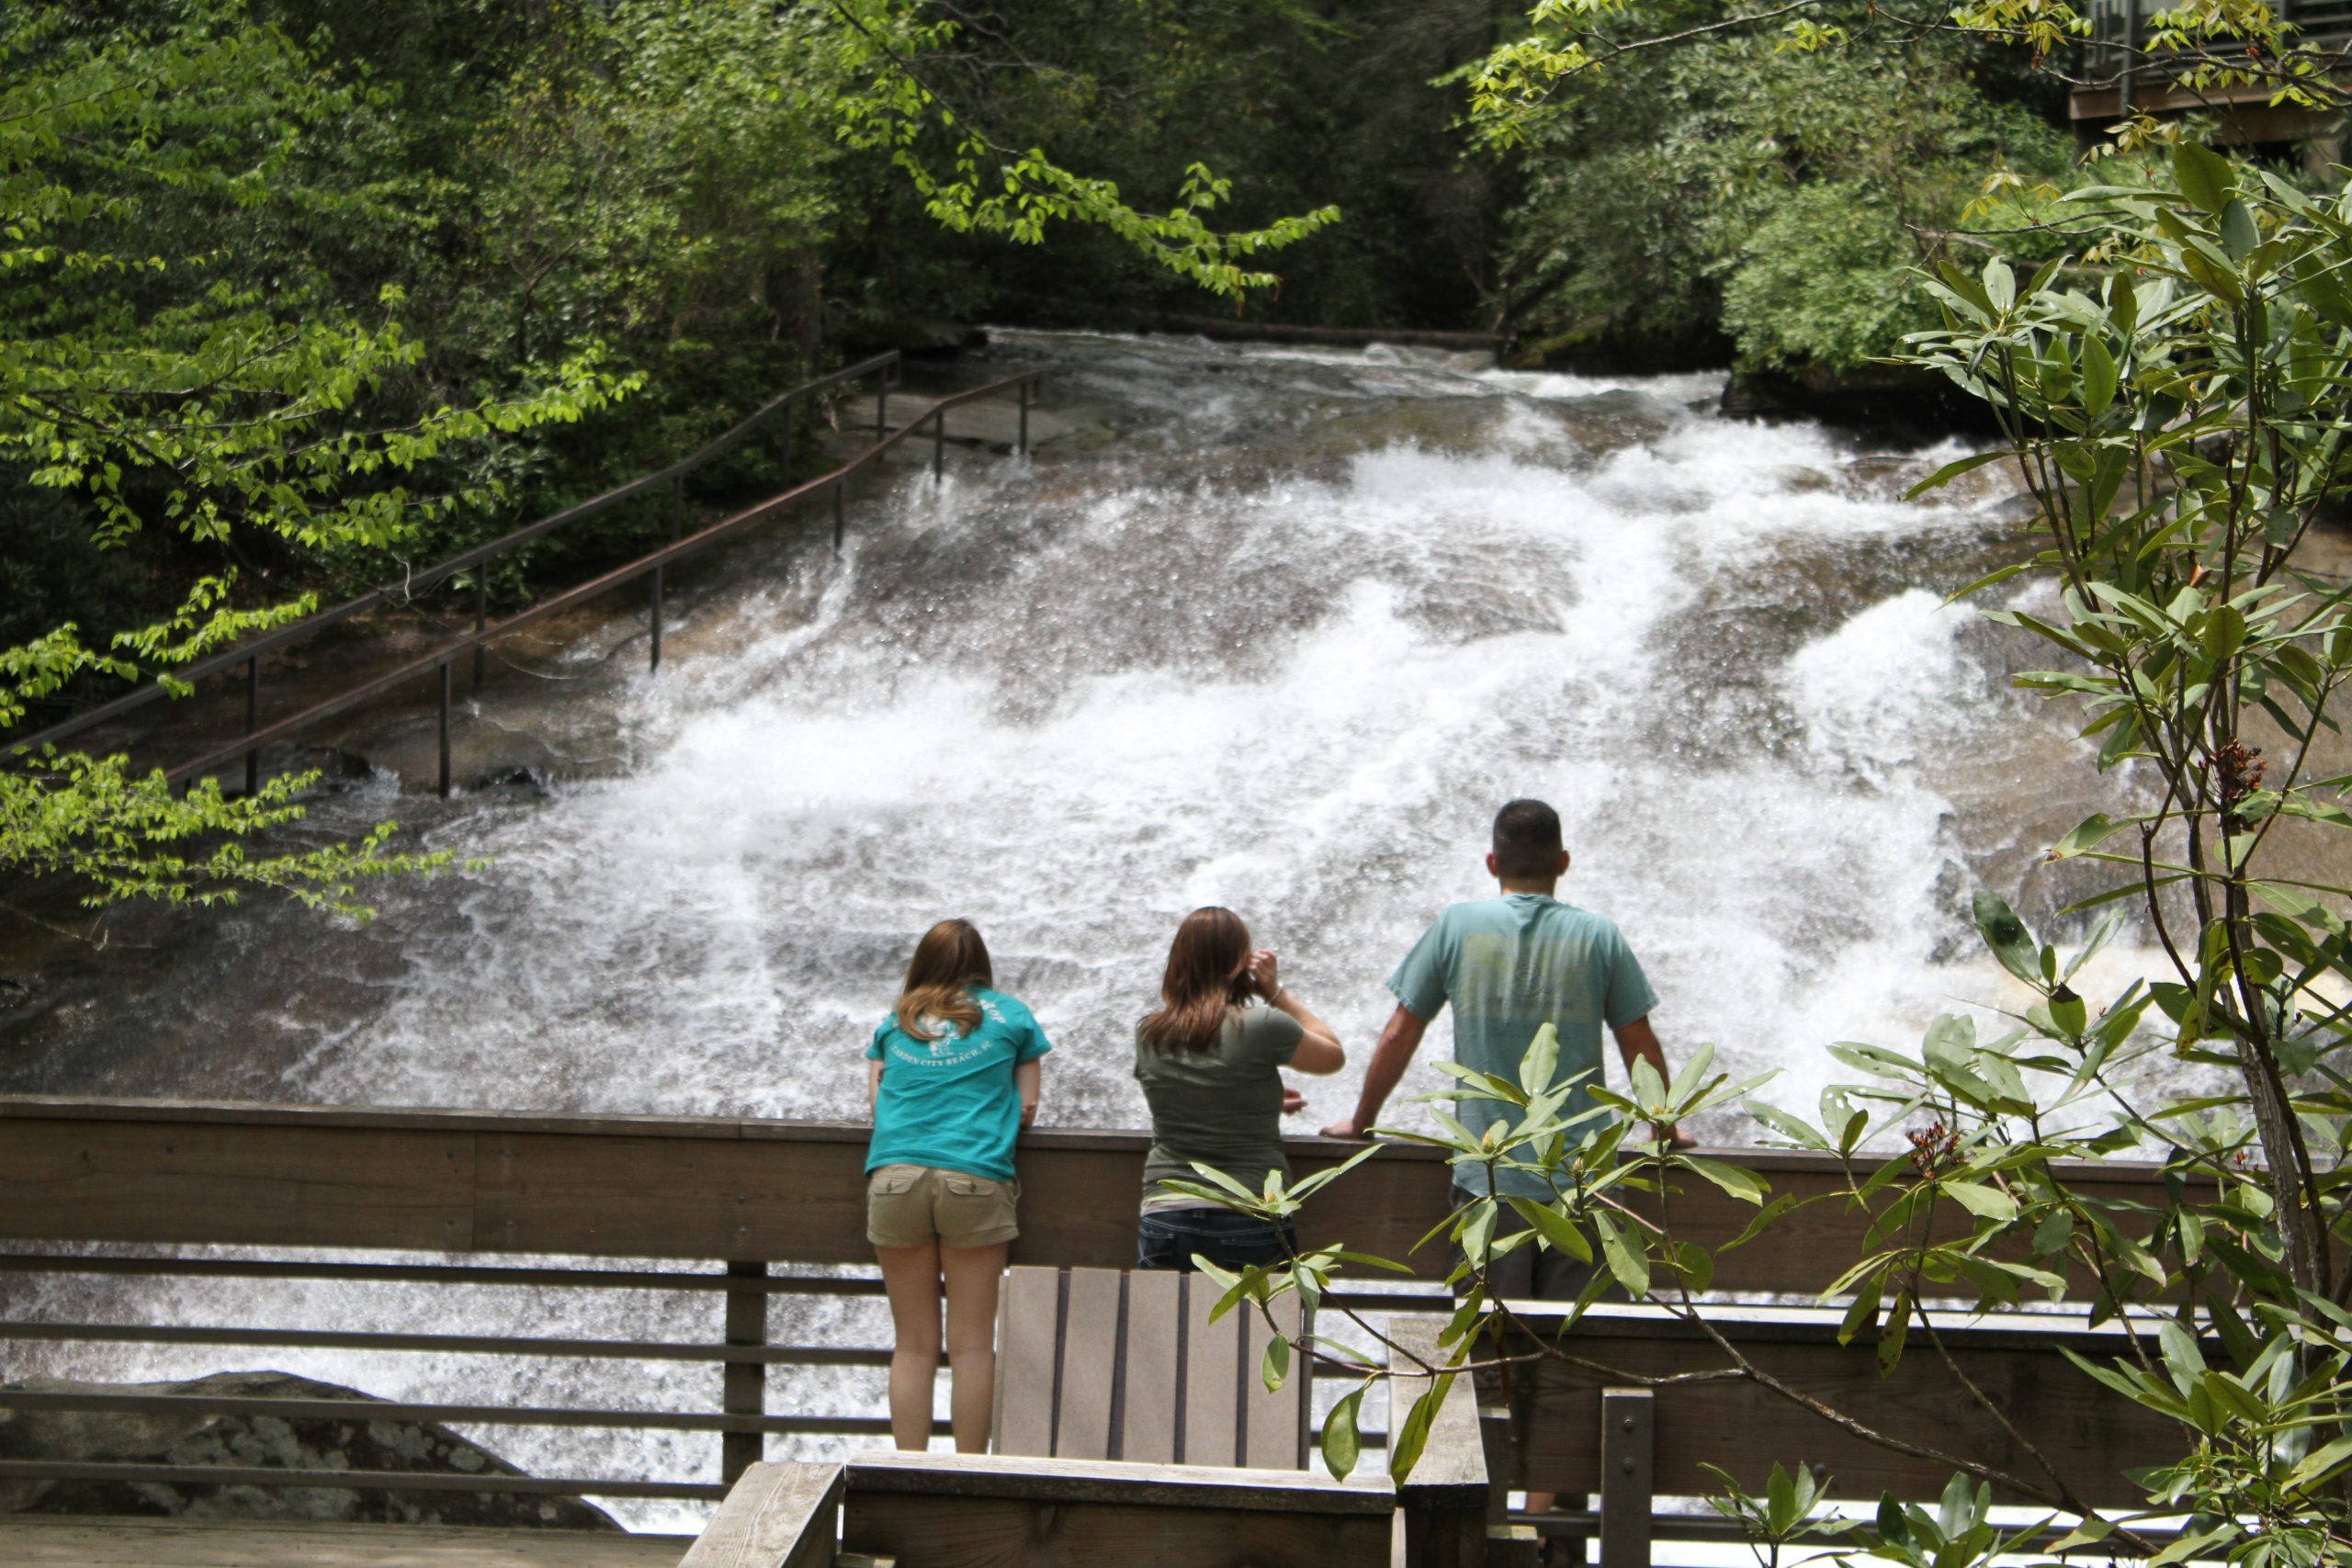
(953, 1077)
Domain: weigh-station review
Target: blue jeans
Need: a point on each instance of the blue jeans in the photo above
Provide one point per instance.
(1166, 1238)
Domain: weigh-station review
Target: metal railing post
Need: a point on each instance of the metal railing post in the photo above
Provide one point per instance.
(938, 445)
(444, 729)
(1625, 1482)
(253, 722)
(1021, 445)
(743, 1390)
(881, 402)
(839, 520)
(482, 619)
(656, 624)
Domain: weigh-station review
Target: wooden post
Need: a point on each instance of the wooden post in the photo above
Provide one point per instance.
(838, 521)
(655, 624)
(444, 729)
(881, 402)
(1446, 1499)
(1626, 1423)
(1021, 445)
(743, 1390)
(253, 722)
(938, 445)
(481, 616)
(778, 1516)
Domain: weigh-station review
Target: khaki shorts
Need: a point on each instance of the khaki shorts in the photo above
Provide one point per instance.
(912, 1205)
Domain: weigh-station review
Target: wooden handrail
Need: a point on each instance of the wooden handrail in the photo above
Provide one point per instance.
(433, 576)
(652, 564)
(177, 1173)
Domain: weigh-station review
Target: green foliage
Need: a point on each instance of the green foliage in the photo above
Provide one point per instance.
(150, 372)
(971, 183)
(1780, 196)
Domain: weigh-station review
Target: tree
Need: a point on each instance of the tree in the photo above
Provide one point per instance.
(174, 388)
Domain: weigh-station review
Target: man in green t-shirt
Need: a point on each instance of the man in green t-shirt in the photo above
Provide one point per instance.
(1510, 965)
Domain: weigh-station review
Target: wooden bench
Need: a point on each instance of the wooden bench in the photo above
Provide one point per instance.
(1107, 1364)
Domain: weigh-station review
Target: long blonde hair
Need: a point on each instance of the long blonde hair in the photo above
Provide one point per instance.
(1203, 981)
(949, 960)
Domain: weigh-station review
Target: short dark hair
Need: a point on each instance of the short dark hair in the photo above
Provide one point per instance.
(1527, 840)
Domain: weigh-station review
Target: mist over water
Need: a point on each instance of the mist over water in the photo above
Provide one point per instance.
(1283, 642)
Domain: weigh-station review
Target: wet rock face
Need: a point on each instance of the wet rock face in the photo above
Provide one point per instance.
(86, 1437)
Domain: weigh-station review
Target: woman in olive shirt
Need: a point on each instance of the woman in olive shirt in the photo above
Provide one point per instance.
(1210, 1065)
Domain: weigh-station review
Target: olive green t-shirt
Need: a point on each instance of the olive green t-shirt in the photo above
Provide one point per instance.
(1222, 1106)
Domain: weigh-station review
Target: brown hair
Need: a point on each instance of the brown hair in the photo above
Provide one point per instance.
(948, 962)
(1205, 979)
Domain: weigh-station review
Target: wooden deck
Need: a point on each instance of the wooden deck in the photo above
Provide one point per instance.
(59, 1542)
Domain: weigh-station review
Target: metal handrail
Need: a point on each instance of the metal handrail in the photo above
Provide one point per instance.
(251, 649)
(650, 565)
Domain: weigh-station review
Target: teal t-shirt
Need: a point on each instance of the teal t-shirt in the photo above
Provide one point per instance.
(950, 1103)
(1510, 965)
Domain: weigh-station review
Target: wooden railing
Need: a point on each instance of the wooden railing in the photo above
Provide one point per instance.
(715, 1205)
(2122, 71)
(440, 665)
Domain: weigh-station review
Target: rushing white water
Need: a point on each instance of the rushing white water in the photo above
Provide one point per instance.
(1285, 644)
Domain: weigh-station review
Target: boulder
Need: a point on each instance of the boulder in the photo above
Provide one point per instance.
(90, 1437)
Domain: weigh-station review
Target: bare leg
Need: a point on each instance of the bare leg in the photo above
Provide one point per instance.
(973, 1274)
(910, 1277)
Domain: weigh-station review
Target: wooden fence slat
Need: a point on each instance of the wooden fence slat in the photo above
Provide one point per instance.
(1212, 1350)
(1272, 1423)
(1148, 1425)
(1090, 1363)
(1028, 1330)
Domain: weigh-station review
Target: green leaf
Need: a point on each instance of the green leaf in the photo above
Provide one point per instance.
(1743, 1185)
(2098, 377)
(2090, 832)
(1951, 471)
(1342, 1443)
(1405, 1449)
(2204, 176)
(1627, 1261)
(1796, 1129)
(1984, 1203)
(2317, 1467)
(1275, 1367)
(2225, 633)
(1542, 1057)
(1893, 1331)
(1554, 1227)
(2007, 937)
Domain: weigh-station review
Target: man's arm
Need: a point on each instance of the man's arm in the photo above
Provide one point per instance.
(1398, 1040)
(1638, 1042)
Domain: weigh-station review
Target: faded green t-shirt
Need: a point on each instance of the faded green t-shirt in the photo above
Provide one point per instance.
(1510, 965)
(1221, 1107)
